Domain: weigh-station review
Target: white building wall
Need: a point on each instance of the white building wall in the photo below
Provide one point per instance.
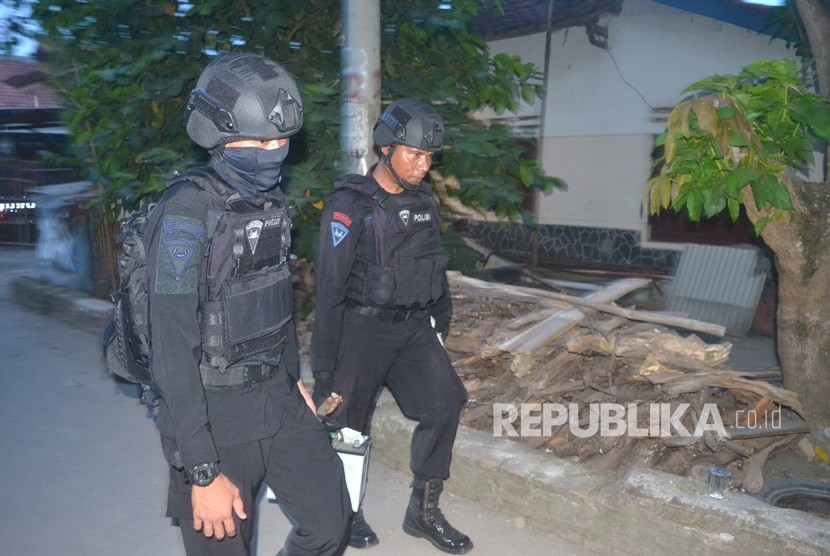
(599, 129)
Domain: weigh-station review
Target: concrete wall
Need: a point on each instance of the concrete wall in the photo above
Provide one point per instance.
(605, 176)
(600, 119)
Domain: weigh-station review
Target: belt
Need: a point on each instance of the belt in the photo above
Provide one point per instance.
(254, 374)
(236, 377)
(388, 315)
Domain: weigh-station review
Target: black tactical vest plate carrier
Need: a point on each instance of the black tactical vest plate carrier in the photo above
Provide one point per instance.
(408, 268)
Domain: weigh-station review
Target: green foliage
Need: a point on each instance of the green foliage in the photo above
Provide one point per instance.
(463, 258)
(738, 131)
(126, 68)
(783, 22)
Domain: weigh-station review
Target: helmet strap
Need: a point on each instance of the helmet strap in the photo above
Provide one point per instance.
(387, 159)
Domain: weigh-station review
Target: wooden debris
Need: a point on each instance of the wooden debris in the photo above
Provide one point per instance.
(520, 293)
(674, 384)
(782, 428)
(753, 478)
(517, 345)
(550, 328)
(761, 408)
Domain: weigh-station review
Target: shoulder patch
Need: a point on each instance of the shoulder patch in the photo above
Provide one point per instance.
(338, 232)
(179, 255)
(344, 218)
(183, 226)
(179, 252)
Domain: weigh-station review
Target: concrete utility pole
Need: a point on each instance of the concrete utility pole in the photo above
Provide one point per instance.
(361, 77)
(540, 142)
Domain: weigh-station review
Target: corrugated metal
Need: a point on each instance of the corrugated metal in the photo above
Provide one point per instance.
(717, 284)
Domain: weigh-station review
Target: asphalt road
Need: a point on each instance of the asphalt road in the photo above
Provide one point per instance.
(83, 473)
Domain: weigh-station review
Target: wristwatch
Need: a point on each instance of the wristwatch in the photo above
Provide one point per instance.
(203, 474)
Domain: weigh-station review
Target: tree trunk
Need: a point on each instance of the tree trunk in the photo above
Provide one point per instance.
(816, 18)
(804, 338)
(802, 257)
(802, 252)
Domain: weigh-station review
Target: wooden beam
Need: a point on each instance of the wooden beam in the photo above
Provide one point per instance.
(768, 429)
(550, 328)
(522, 293)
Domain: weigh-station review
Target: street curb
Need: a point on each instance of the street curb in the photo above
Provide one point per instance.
(70, 306)
(645, 512)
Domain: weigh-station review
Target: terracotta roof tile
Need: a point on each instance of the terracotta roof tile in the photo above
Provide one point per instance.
(36, 96)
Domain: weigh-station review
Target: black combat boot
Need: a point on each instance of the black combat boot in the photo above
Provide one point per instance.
(424, 519)
(360, 534)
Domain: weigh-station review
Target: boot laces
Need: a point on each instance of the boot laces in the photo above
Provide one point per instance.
(434, 513)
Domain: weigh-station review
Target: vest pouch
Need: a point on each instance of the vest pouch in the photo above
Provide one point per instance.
(380, 285)
(439, 270)
(248, 318)
(212, 326)
(407, 280)
(356, 283)
(421, 280)
(257, 307)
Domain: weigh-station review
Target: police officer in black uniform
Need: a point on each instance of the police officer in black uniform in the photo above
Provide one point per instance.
(381, 279)
(224, 350)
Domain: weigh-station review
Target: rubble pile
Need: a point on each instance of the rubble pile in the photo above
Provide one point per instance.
(578, 380)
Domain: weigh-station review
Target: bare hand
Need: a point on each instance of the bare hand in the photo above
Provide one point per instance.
(213, 508)
(330, 404)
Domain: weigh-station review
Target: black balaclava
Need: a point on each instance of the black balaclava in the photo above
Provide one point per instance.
(250, 170)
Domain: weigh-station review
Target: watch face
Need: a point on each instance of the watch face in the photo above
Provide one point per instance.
(203, 474)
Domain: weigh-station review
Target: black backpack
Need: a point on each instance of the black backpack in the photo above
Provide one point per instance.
(126, 339)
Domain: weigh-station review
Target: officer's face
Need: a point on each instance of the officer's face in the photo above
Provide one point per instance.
(267, 145)
(411, 164)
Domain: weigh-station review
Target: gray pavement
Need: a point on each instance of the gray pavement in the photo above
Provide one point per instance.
(83, 472)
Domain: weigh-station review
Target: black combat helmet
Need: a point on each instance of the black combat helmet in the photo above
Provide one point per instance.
(241, 97)
(410, 122)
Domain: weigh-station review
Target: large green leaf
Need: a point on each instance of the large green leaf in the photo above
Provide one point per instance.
(738, 178)
(768, 189)
(813, 111)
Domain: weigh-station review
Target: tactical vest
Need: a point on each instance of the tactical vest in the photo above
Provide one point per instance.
(246, 301)
(408, 267)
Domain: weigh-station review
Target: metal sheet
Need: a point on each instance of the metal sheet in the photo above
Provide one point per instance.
(721, 285)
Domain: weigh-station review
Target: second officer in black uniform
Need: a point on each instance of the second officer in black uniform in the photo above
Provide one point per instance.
(381, 278)
(224, 355)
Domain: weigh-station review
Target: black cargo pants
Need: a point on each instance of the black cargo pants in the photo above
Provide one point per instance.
(302, 469)
(409, 359)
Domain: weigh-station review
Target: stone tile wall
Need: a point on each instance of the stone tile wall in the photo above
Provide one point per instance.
(591, 245)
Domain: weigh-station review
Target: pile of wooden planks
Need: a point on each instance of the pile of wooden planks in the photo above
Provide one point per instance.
(527, 355)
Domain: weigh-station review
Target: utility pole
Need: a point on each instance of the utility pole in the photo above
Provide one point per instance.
(360, 62)
(540, 143)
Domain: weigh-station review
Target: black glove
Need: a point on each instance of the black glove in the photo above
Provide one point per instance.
(441, 311)
(443, 328)
(323, 387)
